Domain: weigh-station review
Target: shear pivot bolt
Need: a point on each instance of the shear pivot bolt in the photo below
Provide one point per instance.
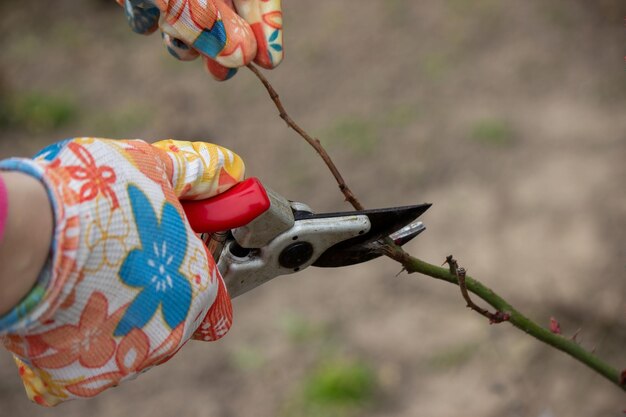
(295, 255)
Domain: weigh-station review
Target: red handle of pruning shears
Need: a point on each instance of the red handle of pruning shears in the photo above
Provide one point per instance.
(233, 208)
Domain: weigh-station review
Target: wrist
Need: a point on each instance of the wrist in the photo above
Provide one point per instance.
(28, 229)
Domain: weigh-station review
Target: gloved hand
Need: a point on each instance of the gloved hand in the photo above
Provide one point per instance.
(227, 33)
(128, 282)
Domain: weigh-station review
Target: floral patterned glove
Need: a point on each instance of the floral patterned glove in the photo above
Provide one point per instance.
(128, 282)
(227, 33)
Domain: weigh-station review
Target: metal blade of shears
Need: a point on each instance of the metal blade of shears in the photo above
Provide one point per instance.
(399, 223)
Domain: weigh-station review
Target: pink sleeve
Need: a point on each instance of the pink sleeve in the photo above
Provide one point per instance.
(4, 206)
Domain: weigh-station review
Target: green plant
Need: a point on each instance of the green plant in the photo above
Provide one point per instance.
(399, 116)
(40, 112)
(340, 382)
(453, 357)
(299, 329)
(119, 121)
(247, 359)
(357, 134)
(492, 132)
(435, 65)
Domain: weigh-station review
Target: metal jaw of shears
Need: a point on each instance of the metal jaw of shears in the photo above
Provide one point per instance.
(255, 234)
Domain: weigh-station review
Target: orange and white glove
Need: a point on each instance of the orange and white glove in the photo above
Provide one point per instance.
(128, 282)
(227, 33)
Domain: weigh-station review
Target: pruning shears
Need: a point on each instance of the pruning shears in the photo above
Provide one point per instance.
(255, 234)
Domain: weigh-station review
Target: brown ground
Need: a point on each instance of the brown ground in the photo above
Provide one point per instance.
(508, 116)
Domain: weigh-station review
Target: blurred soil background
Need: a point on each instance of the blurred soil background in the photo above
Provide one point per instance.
(508, 116)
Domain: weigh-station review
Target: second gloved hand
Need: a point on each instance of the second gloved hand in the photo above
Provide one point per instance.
(128, 281)
(227, 33)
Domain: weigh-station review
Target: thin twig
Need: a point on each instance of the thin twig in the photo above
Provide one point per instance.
(412, 264)
(453, 266)
(315, 143)
(494, 318)
(497, 317)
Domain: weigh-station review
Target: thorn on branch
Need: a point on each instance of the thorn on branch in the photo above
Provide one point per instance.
(452, 264)
(555, 327)
(494, 318)
(575, 335)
